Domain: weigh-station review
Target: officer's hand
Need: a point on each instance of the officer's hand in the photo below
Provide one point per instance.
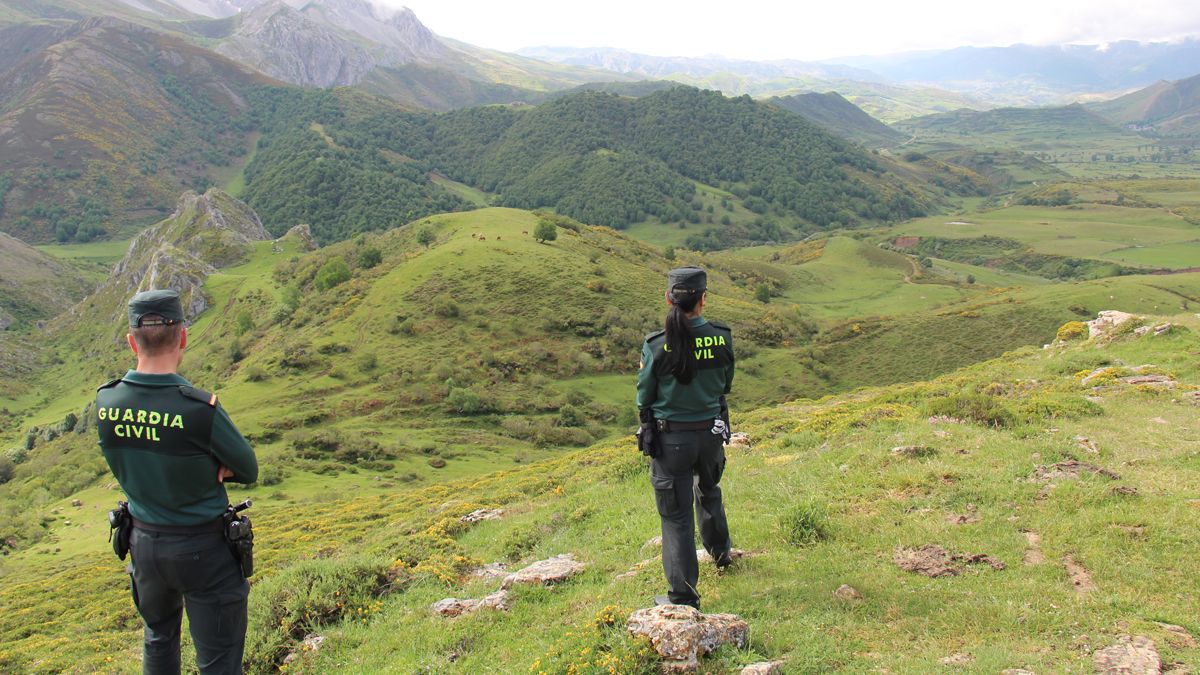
(223, 473)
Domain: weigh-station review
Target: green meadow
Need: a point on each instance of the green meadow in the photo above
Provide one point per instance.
(1097, 231)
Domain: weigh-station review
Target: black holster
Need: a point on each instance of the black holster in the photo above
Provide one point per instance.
(239, 534)
(120, 526)
(726, 428)
(647, 435)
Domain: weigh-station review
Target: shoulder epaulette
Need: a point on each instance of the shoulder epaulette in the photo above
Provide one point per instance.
(110, 383)
(199, 395)
(657, 333)
(720, 325)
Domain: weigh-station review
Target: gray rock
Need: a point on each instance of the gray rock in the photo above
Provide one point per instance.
(681, 634)
(451, 607)
(848, 593)
(764, 668)
(483, 514)
(496, 570)
(913, 451)
(739, 440)
(1106, 321)
(546, 572)
(311, 643)
(1130, 656)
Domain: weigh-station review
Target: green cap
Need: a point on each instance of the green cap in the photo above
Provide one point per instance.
(686, 281)
(163, 303)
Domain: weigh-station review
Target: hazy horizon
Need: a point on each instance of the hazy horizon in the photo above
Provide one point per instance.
(761, 30)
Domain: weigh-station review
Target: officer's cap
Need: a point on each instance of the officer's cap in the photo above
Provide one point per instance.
(684, 281)
(164, 303)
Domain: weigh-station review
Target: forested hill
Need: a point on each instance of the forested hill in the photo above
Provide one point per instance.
(337, 162)
(832, 111)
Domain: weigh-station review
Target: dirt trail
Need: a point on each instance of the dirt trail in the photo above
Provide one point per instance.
(1033, 554)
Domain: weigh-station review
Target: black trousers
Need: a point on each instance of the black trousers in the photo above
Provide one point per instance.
(688, 471)
(198, 572)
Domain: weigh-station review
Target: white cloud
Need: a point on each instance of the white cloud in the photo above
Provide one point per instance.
(767, 29)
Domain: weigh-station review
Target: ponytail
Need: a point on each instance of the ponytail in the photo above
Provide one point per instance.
(680, 354)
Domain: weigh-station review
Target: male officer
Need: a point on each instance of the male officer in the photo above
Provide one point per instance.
(172, 447)
(687, 369)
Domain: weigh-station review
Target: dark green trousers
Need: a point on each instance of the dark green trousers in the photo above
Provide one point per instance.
(174, 572)
(688, 471)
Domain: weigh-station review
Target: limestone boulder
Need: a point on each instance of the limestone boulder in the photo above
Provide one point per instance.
(451, 607)
(681, 634)
(1132, 655)
(546, 572)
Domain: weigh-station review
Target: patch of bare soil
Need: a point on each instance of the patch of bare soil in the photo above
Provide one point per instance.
(1081, 579)
(1071, 468)
(934, 561)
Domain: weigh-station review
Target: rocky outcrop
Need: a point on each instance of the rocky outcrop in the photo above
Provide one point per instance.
(479, 515)
(681, 634)
(206, 232)
(285, 44)
(546, 572)
(1130, 656)
(764, 668)
(330, 43)
(1106, 321)
(451, 607)
(303, 235)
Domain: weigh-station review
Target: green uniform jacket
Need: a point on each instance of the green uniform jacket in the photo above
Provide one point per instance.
(701, 398)
(164, 441)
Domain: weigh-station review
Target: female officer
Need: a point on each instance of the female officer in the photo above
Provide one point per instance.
(686, 371)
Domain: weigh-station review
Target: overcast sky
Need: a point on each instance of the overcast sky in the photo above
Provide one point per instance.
(776, 29)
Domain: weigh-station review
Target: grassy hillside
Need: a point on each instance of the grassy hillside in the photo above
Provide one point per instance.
(1165, 108)
(1074, 140)
(135, 117)
(841, 117)
(818, 499)
(33, 285)
(456, 344)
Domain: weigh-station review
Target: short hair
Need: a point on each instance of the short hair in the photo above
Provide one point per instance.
(156, 339)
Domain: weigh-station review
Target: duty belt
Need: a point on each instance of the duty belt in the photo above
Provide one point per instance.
(215, 526)
(667, 426)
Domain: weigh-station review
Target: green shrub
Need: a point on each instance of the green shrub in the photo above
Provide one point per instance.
(426, 237)
(303, 598)
(1057, 406)
(369, 257)
(270, 474)
(332, 273)
(806, 523)
(974, 407)
(545, 231)
(444, 306)
(245, 322)
(366, 362)
(465, 401)
(762, 293)
(571, 416)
